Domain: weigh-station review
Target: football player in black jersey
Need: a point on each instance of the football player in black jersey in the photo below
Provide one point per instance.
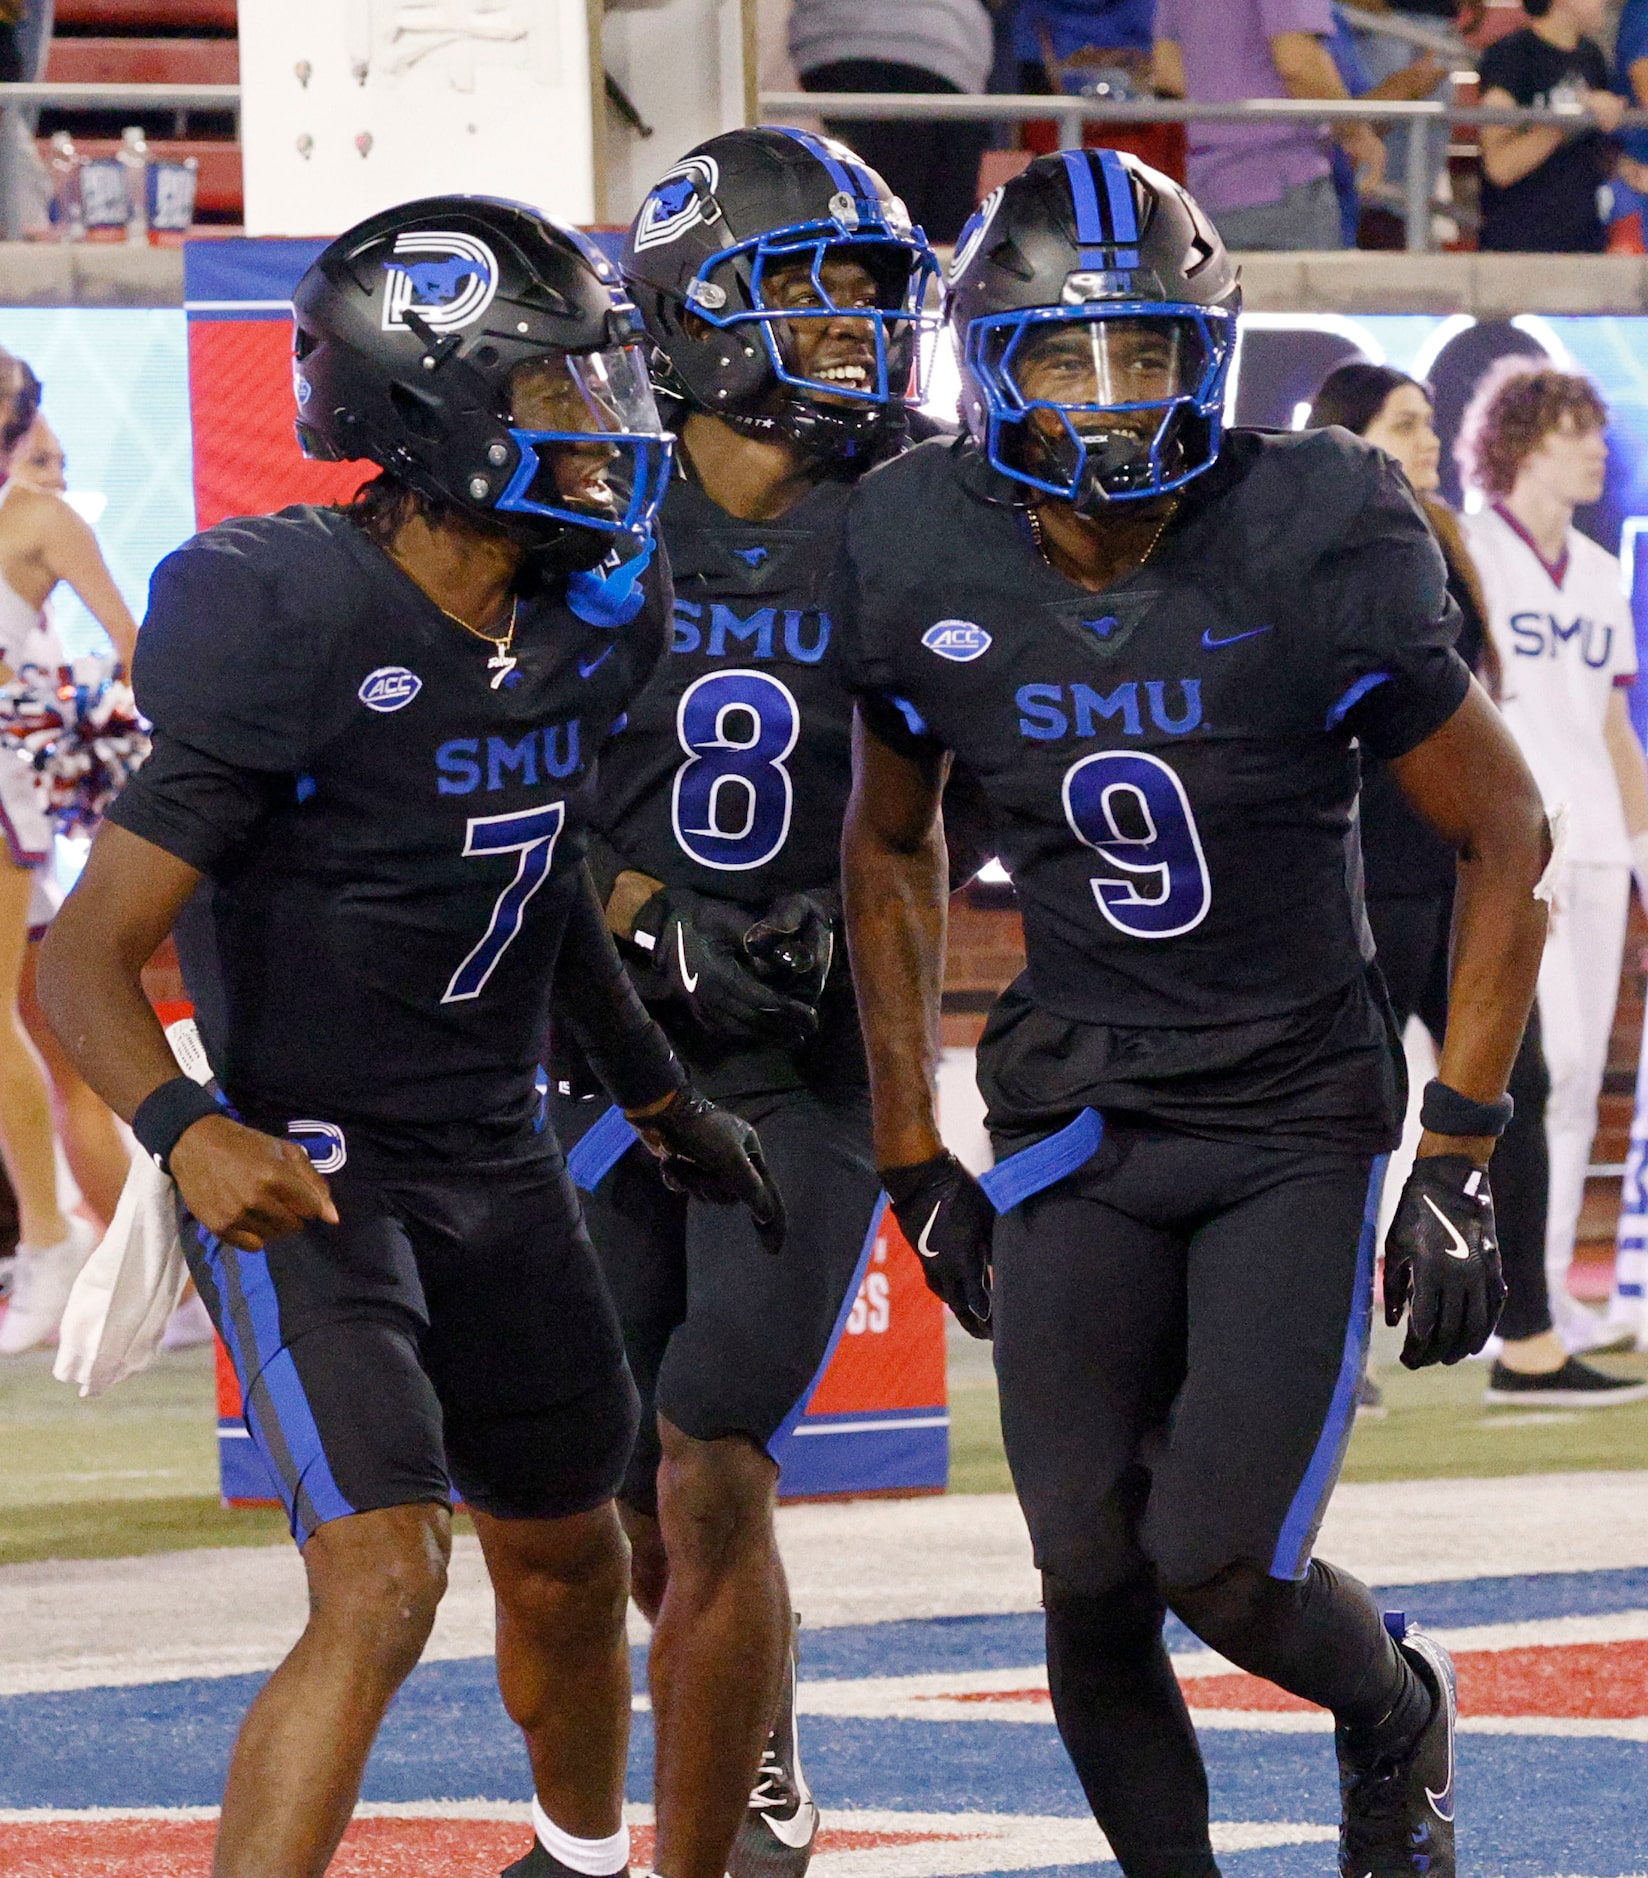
(781, 285)
(1158, 645)
(374, 732)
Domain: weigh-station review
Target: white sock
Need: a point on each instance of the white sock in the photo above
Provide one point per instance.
(594, 1858)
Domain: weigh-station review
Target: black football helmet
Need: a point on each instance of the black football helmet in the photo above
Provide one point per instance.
(490, 359)
(1094, 312)
(758, 256)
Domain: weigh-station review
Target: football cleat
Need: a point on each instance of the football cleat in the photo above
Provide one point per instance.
(776, 1838)
(1398, 1815)
(540, 1863)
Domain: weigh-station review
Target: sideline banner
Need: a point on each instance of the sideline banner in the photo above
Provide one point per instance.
(877, 1419)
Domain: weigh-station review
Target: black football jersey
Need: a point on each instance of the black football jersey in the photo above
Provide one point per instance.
(732, 775)
(1171, 764)
(392, 840)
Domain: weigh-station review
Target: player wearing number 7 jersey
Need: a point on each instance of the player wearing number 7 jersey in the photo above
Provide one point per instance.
(375, 729)
(1158, 644)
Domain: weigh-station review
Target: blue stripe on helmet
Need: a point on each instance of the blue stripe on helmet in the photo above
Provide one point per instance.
(815, 147)
(1124, 219)
(1084, 199)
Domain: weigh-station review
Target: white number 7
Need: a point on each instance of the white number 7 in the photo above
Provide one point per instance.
(532, 834)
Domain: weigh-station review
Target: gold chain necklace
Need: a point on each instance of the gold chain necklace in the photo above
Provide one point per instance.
(1033, 517)
(503, 661)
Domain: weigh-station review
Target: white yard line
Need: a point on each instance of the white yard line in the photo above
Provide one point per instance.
(111, 1622)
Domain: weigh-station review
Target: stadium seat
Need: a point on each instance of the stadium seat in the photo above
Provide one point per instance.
(146, 16)
(97, 61)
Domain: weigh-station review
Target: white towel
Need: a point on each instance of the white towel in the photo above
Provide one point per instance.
(135, 1279)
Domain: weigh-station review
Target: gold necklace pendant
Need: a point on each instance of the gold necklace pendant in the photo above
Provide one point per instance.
(503, 661)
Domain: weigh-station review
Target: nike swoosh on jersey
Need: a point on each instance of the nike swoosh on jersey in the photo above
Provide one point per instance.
(1213, 644)
(1456, 1247)
(798, 1829)
(587, 668)
(928, 1251)
(688, 979)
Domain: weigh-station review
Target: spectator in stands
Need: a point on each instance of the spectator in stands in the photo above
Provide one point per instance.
(1533, 443)
(942, 46)
(1415, 79)
(1631, 81)
(25, 184)
(1264, 185)
(42, 541)
(1050, 34)
(1542, 187)
(1409, 875)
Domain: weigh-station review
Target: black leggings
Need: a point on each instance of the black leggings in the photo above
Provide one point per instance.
(1411, 935)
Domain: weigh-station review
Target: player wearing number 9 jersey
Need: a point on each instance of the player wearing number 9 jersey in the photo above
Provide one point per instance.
(781, 284)
(375, 730)
(1158, 645)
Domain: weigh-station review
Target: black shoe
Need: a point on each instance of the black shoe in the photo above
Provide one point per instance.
(1575, 1385)
(540, 1863)
(776, 1838)
(1398, 1815)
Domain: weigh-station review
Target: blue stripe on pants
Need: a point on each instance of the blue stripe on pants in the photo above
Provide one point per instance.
(1304, 1516)
(269, 1378)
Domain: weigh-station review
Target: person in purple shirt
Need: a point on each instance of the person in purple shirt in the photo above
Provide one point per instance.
(1263, 185)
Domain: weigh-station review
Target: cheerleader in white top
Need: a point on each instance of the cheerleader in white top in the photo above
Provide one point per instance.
(42, 541)
(1534, 444)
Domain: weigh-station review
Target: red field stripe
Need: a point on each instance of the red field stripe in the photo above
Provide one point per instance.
(372, 1848)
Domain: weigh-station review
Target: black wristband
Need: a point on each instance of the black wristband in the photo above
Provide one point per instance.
(1445, 1111)
(904, 1183)
(166, 1113)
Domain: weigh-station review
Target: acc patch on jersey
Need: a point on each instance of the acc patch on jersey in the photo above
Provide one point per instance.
(447, 279)
(957, 639)
(684, 198)
(389, 688)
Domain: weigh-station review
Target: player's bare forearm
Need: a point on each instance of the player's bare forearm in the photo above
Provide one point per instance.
(91, 965)
(895, 885)
(1469, 782)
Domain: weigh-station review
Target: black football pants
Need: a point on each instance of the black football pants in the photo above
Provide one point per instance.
(1179, 1337)
(1411, 934)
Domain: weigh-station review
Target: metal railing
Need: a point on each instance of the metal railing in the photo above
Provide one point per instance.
(1073, 114)
(117, 97)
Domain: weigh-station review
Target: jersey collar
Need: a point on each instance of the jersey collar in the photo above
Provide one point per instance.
(1556, 571)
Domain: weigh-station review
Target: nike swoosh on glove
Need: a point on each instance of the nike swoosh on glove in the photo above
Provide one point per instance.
(1442, 1262)
(946, 1215)
(699, 951)
(716, 1156)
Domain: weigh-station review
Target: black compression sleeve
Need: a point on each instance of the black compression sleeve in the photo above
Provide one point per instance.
(597, 1004)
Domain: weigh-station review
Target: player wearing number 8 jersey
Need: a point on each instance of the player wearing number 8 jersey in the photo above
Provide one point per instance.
(1157, 645)
(374, 736)
(781, 284)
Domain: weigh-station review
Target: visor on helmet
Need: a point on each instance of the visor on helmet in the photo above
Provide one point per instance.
(1106, 404)
(593, 449)
(841, 315)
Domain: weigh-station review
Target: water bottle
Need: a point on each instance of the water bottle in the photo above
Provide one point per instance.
(133, 158)
(68, 218)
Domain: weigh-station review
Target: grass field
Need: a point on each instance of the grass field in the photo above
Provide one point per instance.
(136, 1471)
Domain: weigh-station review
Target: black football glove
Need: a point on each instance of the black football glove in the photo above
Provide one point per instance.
(946, 1215)
(714, 1155)
(1442, 1262)
(699, 956)
(793, 947)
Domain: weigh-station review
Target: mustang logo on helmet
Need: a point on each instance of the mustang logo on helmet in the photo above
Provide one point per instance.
(682, 200)
(449, 291)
